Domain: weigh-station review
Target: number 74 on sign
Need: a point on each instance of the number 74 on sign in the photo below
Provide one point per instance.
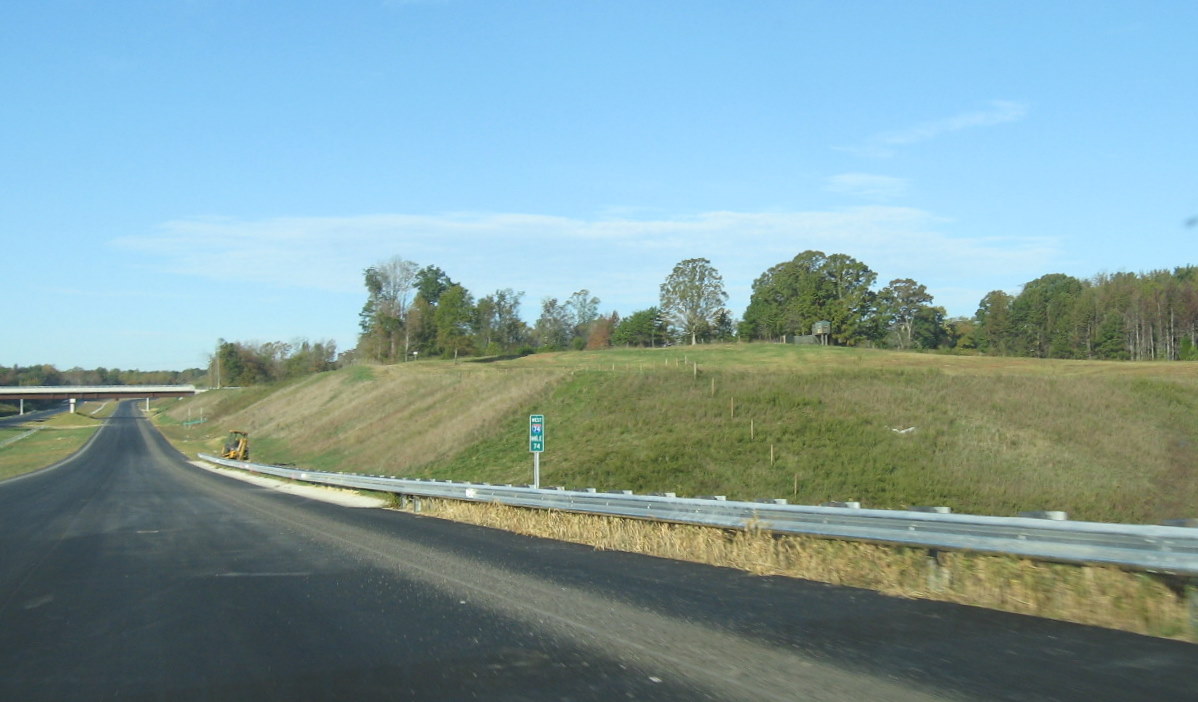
(536, 444)
(536, 433)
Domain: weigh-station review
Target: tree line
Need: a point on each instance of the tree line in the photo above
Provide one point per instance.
(1120, 316)
(238, 363)
(49, 375)
(414, 312)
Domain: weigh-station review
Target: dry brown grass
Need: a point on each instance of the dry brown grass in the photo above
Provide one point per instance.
(406, 416)
(1092, 595)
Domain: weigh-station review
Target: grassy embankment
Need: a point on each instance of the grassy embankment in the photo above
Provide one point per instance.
(1103, 441)
(50, 441)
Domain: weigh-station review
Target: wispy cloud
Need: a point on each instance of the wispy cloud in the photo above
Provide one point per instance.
(621, 260)
(1000, 112)
(867, 185)
(885, 144)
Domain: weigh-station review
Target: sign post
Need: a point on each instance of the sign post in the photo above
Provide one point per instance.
(536, 444)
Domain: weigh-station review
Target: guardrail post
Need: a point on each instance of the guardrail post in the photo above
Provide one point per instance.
(1190, 591)
(1055, 515)
(939, 577)
(1189, 523)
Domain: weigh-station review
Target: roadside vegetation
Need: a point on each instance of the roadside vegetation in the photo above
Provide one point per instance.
(34, 445)
(1103, 441)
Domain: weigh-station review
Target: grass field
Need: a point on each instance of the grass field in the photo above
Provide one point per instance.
(50, 441)
(1102, 441)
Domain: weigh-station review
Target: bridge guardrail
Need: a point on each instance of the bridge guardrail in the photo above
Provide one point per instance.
(1163, 549)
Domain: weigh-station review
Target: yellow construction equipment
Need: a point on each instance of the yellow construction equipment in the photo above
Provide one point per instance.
(237, 446)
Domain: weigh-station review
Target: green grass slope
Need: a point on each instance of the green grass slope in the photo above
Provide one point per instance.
(24, 451)
(1103, 441)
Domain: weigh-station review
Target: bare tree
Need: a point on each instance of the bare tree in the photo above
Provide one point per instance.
(582, 309)
(389, 287)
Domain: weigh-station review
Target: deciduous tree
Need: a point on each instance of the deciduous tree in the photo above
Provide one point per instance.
(431, 283)
(691, 296)
(899, 304)
(582, 309)
(455, 310)
(601, 331)
(790, 297)
(552, 331)
(383, 319)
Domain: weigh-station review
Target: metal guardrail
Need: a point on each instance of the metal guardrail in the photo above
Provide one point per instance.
(1163, 549)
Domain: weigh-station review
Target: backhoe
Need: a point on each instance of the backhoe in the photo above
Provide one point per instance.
(237, 446)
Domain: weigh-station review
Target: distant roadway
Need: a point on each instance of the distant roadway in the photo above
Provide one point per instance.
(128, 574)
(15, 419)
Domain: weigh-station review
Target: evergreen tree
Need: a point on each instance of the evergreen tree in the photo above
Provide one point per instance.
(643, 328)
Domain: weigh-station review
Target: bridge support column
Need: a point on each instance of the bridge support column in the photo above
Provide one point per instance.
(72, 405)
(22, 405)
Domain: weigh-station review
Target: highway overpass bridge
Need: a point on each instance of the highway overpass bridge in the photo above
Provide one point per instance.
(74, 393)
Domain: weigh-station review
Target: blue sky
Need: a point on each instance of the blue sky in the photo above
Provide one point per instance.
(179, 171)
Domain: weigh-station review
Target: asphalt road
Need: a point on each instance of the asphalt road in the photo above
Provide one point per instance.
(126, 573)
(16, 419)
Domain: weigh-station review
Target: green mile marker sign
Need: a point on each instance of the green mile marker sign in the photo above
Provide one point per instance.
(536, 433)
